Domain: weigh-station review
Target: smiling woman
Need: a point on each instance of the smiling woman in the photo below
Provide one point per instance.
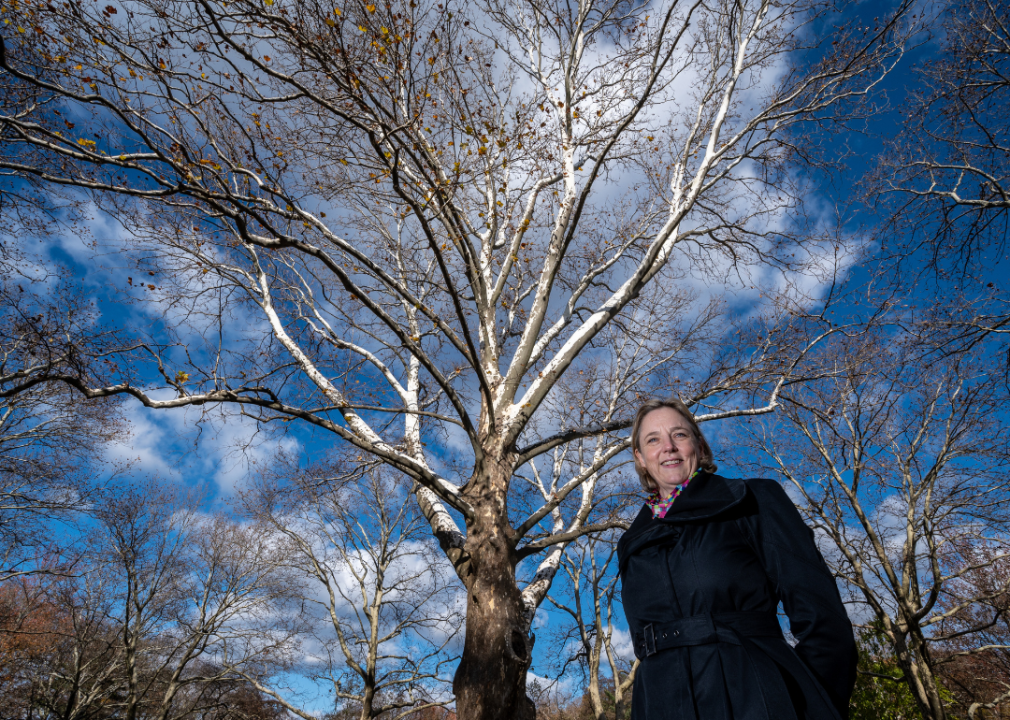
(702, 578)
(669, 448)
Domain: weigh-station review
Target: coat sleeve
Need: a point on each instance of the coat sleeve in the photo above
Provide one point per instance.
(807, 590)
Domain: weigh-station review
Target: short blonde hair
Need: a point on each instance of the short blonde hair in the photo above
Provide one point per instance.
(705, 460)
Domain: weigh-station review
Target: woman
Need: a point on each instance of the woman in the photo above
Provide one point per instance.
(703, 568)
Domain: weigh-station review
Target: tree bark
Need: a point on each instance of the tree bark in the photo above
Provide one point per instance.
(927, 692)
(490, 682)
(913, 659)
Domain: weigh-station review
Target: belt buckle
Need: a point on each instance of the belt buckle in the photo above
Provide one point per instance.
(649, 640)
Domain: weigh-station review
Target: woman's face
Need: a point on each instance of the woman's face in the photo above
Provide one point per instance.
(667, 449)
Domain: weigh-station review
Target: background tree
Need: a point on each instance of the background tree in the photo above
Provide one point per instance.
(432, 213)
(554, 702)
(948, 169)
(32, 630)
(975, 650)
(897, 461)
(156, 622)
(51, 446)
(383, 614)
(944, 181)
(590, 600)
(881, 692)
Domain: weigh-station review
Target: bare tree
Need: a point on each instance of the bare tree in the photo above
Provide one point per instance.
(42, 637)
(976, 652)
(51, 444)
(156, 623)
(898, 463)
(384, 615)
(947, 170)
(430, 213)
(590, 596)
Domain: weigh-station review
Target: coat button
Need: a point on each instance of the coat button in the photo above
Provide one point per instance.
(676, 633)
(664, 634)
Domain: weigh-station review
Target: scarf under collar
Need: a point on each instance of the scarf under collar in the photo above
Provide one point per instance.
(659, 506)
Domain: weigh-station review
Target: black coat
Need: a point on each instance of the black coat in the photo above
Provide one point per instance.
(700, 589)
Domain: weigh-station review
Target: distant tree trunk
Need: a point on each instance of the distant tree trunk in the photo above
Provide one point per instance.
(917, 665)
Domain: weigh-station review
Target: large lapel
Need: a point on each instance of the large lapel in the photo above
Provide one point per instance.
(707, 496)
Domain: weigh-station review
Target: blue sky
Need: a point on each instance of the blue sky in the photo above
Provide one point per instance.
(216, 450)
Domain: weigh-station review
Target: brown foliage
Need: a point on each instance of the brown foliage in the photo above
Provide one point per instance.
(974, 651)
(33, 633)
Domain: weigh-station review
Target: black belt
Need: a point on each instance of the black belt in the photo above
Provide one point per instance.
(704, 629)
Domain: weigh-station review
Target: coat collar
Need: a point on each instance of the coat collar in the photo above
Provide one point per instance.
(712, 496)
(707, 496)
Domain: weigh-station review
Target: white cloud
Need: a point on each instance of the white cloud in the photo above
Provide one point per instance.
(623, 645)
(148, 448)
(190, 446)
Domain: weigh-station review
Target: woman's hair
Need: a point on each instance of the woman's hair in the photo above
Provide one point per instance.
(705, 459)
